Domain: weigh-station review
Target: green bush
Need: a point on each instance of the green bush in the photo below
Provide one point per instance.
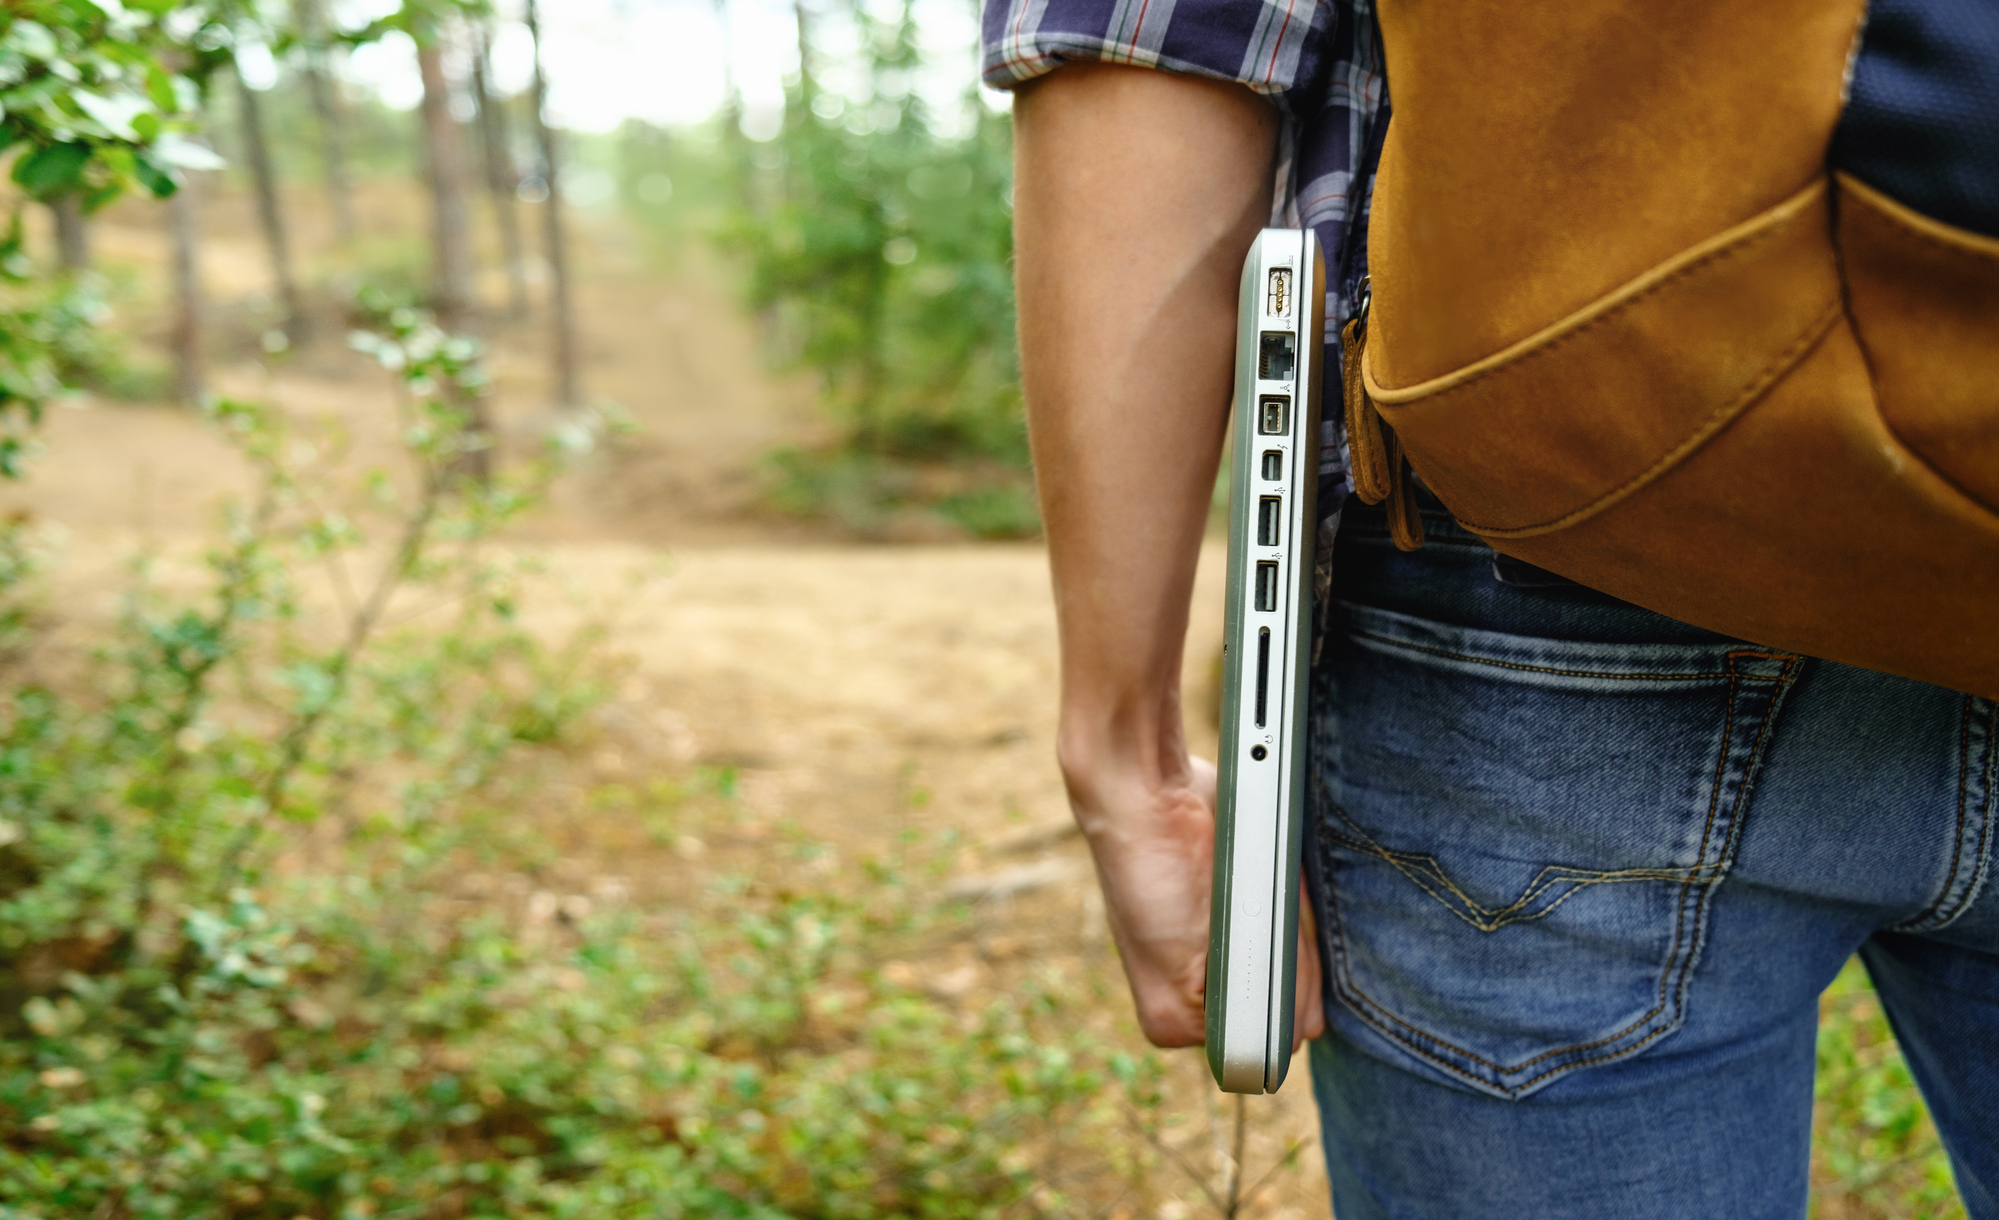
(1876, 1144)
(241, 975)
(878, 254)
(1006, 510)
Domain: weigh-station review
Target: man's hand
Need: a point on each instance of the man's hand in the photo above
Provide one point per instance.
(1153, 837)
(1136, 197)
(1154, 849)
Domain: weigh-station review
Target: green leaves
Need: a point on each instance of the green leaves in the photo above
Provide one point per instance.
(87, 99)
(52, 169)
(1876, 1143)
(880, 248)
(153, 178)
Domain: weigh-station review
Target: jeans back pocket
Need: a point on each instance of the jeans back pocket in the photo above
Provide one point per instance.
(1520, 839)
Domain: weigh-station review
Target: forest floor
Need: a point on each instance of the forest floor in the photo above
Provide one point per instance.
(857, 689)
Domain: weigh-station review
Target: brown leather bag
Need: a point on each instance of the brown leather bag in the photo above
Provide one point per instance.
(1628, 327)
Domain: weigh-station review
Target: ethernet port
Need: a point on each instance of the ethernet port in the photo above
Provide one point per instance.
(1277, 356)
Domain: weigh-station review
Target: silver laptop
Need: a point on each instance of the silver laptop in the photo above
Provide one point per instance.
(1274, 471)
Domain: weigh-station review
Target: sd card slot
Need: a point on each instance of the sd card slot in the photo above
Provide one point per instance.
(1262, 675)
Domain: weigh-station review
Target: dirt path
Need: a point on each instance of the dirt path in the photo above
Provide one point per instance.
(837, 678)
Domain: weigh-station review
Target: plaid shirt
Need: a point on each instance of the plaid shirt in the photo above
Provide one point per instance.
(1319, 61)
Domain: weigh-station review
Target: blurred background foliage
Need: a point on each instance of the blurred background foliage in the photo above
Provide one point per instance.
(876, 253)
(254, 961)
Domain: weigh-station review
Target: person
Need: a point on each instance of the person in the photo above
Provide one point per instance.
(1580, 872)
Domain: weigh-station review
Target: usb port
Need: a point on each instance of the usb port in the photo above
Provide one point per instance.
(1268, 513)
(1278, 301)
(1272, 416)
(1266, 586)
(1273, 465)
(1277, 355)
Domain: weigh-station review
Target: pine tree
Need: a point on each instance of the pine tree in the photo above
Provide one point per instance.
(270, 215)
(563, 315)
(502, 181)
(451, 296)
(311, 21)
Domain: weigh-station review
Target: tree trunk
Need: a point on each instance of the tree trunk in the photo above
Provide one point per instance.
(257, 151)
(808, 80)
(451, 240)
(185, 336)
(501, 179)
(326, 104)
(563, 321)
(451, 293)
(72, 232)
(733, 140)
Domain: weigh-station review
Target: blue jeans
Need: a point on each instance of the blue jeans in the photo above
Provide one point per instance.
(1581, 873)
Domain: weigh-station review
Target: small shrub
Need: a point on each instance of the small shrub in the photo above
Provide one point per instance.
(877, 249)
(873, 496)
(88, 353)
(381, 276)
(241, 973)
(1006, 511)
(1876, 1144)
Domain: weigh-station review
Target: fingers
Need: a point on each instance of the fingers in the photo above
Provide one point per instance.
(1309, 1015)
(1168, 1013)
(1157, 904)
(1203, 779)
(1154, 852)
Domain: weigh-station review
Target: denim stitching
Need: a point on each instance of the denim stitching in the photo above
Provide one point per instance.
(1713, 806)
(1523, 1086)
(1949, 887)
(1981, 873)
(1962, 885)
(1982, 858)
(1344, 984)
(1544, 669)
(1679, 923)
(1416, 866)
(1687, 876)
(1958, 845)
(1750, 763)
(1497, 1069)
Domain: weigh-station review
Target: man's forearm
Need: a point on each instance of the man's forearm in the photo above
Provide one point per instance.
(1136, 197)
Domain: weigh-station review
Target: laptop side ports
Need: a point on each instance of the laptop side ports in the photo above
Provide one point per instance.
(1262, 676)
(1266, 587)
(1277, 301)
(1269, 519)
(1277, 355)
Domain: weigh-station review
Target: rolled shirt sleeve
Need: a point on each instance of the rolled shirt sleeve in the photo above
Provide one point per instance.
(1320, 63)
(1276, 47)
